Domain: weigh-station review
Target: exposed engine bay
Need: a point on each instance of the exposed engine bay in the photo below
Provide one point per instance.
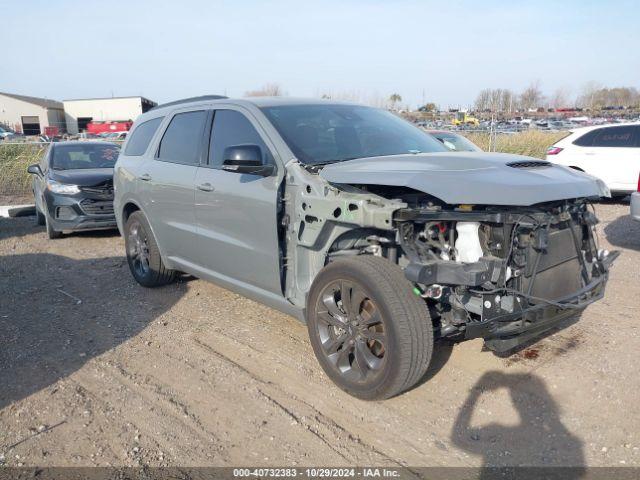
(495, 272)
(503, 273)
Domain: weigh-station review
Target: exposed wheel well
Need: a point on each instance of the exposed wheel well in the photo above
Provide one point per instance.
(128, 209)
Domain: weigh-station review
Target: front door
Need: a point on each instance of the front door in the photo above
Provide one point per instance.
(236, 213)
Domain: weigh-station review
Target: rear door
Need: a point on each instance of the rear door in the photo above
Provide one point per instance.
(236, 213)
(612, 154)
(166, 183)
(618, 157)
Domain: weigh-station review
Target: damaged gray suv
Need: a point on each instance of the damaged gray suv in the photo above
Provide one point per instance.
(361, 225)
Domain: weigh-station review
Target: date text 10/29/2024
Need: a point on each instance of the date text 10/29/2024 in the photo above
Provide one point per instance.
(364, 472)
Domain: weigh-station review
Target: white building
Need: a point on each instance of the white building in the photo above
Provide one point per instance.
(80, 112)
(30, 115)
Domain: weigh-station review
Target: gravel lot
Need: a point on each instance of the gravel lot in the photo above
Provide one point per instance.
(95, 370)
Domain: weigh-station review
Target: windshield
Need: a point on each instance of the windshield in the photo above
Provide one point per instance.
(456, 143)
(74, 157)
(319, 134)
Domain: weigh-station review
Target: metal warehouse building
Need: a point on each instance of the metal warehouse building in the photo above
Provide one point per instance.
(30, 115)
(80, 112)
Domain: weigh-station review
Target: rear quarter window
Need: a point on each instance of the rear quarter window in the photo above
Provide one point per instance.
(141, 137)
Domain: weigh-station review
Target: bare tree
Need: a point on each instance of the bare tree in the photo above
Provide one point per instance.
(532, 96)
(508, 101)
(482, 100)
(560, 98)
(495, 100)
(267, 90)
(594, 96)
(588, 97)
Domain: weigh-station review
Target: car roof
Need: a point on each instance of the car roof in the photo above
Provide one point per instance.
(255, 101)
(73, 142)
(284, 101)
(446, 132)
(582, 130)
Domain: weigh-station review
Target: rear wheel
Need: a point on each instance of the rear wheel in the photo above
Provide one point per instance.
(371, 334)
(143, 254)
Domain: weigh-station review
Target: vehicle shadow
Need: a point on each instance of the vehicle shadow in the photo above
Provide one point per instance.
(538, 440)
(57, 313)
(18, 227)
(623, 232)
(26, 225)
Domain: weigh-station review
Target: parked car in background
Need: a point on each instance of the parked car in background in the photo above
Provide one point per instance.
(6, 134)
(86, 136)
(362, 225)
(635, 203)
(609, 152)
(117, 136)
(73, 186)
(454, 141)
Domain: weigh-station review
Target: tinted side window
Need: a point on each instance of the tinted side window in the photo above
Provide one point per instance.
(181, 141)
(232, 128)
(617, 137)
(141, 137)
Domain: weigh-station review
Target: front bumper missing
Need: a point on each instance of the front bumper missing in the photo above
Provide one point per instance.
(528, 318)
(507, 331)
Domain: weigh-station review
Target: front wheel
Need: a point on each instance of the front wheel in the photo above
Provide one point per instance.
(40, 220)
(51, 232)
(371, 334)
(143, 254)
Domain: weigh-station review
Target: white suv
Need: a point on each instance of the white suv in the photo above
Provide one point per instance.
(610, 152)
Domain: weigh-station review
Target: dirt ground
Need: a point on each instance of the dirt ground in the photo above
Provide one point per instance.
(96, 370)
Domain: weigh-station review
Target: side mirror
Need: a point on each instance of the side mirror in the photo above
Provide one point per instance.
(246, 159)
(34, 170)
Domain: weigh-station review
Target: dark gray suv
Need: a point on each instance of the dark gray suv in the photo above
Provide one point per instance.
(361, 225)
(73, 187)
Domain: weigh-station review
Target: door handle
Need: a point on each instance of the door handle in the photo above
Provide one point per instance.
(206, 187)
(145, 177)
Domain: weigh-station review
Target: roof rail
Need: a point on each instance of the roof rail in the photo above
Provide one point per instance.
(201, 98)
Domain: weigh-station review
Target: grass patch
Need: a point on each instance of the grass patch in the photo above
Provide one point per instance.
(14, 160)
(533, 143)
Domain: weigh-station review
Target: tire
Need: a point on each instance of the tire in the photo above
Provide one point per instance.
(52, 234)
(386, 345)
(40, 220)
(143, 255)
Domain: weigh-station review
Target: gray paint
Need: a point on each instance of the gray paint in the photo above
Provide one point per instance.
(468, 178)
(229, 235)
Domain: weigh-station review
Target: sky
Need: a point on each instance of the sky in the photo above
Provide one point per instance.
(444, 52)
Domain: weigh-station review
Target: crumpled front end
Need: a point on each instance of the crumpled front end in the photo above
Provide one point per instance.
(505, 275)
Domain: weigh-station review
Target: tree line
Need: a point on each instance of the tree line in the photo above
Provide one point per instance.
(593, 96)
